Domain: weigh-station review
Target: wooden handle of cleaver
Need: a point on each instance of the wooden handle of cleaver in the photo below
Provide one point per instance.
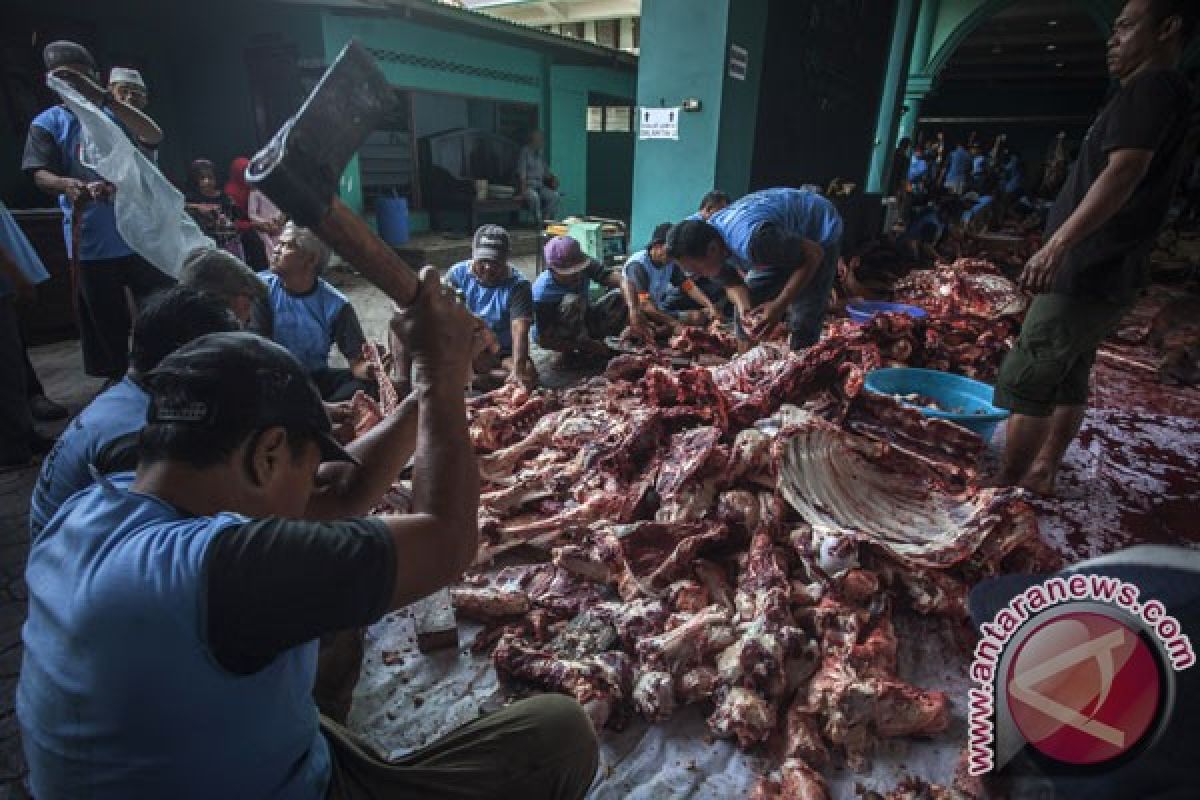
(352, 239)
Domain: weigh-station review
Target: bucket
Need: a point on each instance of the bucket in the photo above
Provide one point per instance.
(391, 213)
(964, 401)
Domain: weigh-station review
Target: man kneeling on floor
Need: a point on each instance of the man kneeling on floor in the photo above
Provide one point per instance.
(502, 299)
(655, 286)
(171, 639)
(307, 315)
(565, 318)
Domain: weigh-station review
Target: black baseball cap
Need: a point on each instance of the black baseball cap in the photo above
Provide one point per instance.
(491, 243)
(660, 235)
(240, 379)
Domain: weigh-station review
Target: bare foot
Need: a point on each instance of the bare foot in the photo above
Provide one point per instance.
(1040, 481)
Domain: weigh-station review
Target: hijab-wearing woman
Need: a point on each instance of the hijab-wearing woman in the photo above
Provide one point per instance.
(264, 222)
(214, 211)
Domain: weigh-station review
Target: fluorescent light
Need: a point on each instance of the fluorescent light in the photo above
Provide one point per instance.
(1052, 22)
(1051, 47)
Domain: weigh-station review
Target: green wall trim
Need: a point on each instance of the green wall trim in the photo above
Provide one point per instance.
(904, 31)
(395, 57)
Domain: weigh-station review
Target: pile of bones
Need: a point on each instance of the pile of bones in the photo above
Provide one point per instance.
(739, 536)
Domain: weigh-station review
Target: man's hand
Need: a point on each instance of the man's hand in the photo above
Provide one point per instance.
(640, 326)
(75, 190)
(764, 319)
(525, 373)
(1042, 269)
(437, 331)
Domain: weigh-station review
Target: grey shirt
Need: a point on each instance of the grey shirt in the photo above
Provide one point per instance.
(531, 167)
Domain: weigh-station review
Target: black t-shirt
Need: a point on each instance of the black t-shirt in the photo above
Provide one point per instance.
(274, 584)
(1149, 113)
(520, 301)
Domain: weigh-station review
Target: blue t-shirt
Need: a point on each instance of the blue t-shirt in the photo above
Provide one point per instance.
(496, 305)
(792, 211)
(99, 238)
(17, 246)
(120, 695)
(117, 412)
(980, 204)
(918, 169)
(307, 325)
(959, 165)
(979, 166)
(651, 279)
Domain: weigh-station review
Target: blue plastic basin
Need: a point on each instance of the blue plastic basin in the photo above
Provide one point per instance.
(862, 310)
(949, 391)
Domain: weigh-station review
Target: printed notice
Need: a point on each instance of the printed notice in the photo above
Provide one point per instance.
(658, 123)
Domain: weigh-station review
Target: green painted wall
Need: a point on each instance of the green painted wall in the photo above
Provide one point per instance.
(570, 155)
(683, 55)
(739, 101)
(420, 57)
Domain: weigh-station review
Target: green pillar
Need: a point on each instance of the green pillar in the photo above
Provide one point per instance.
(915, 90)
(923, 41)
(685, 54)
(899, 55)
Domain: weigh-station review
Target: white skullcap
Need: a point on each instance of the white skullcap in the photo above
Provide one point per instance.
(126, 75)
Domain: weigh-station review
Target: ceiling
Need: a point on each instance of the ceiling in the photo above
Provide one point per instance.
(556, 12)
(1029, 45)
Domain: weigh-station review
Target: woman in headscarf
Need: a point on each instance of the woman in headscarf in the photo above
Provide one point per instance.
(239, 191)
(264, 222)
(214, 210)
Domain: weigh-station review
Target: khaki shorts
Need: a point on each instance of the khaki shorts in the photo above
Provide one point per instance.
(1052, 360)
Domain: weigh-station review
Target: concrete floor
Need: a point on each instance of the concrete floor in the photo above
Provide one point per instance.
(60, 367)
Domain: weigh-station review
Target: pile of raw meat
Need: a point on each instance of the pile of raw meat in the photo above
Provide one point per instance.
(739, 537)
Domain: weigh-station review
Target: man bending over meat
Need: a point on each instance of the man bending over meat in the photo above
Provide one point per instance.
(565, 318)
(654, 287)
(174, 612)
(786, 242)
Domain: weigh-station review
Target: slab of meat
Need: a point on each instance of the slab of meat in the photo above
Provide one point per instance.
(969, 286)
(486, 604)
(642, 559)
(796, 781)
(600, 683)
(693, 341)
(389, 400)
(744, 715)
(686, 646)
(889, 498)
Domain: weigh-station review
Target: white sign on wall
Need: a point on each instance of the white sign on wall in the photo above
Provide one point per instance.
(658, 123)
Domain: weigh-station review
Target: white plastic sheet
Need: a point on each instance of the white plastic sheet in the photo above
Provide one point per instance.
(149, 210)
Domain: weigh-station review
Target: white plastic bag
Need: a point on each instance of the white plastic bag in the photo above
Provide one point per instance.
(149, 210)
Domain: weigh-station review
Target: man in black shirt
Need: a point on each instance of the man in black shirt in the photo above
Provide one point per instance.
(1099, 235)
(171, 641)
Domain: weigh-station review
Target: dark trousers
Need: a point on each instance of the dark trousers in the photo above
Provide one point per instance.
(541, 748)
(33, 386)
(806, 314)
(104, 321)
(336, 385)
(16, 422)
